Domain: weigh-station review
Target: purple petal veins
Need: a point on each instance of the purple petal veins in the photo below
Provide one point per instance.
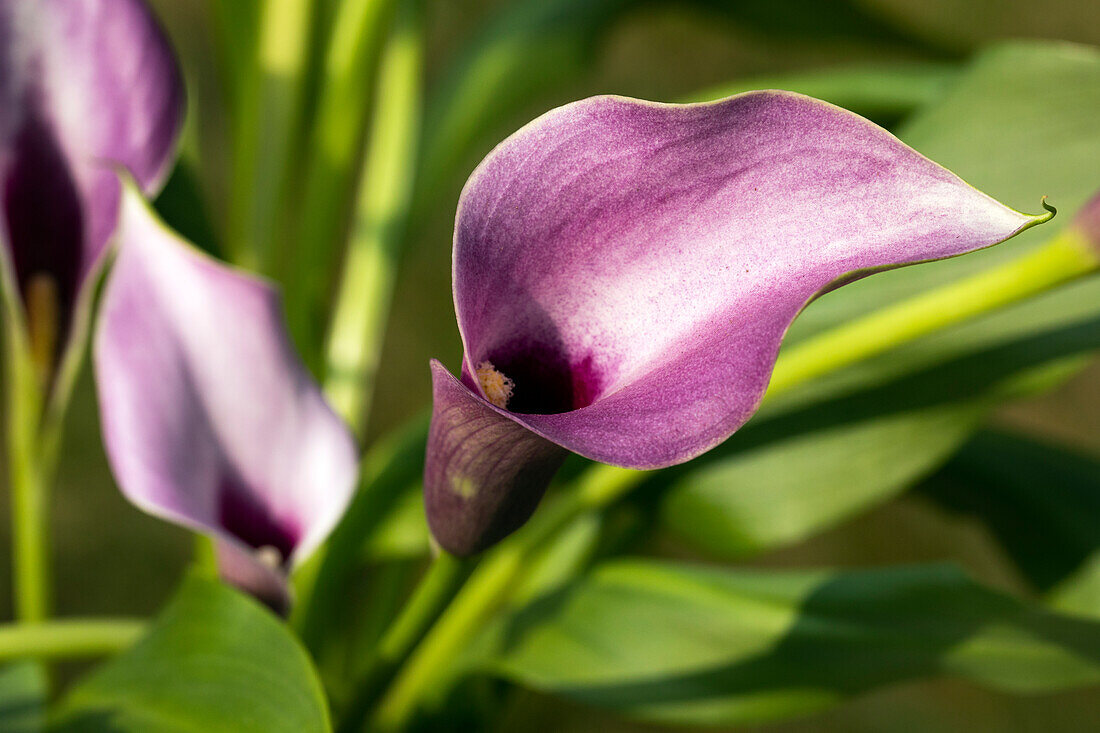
(632, 267)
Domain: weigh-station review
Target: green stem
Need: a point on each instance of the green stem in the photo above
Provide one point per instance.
(68, 638)
(30, 540)
(386, 183)
(487, 590)
(30, 472)
(1063, 258)
(1067, 257)
(336, 136)
(266, 119)
(435, 590)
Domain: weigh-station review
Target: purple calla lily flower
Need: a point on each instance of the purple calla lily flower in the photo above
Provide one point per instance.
(82, 83)
(209, 417)
(624, 273)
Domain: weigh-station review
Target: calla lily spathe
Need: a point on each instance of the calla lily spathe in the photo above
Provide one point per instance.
(210, 419)
(624, 273)
(84, 85)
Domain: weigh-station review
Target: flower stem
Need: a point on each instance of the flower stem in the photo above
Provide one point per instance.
(386, 183)
(68, 639)
(266, 118)
(30, 541)
(335, 138)
(435, 590)
(30, 471)
(1066, 257)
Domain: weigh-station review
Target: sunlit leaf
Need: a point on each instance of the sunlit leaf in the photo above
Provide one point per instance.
(686, 644)
(214, 660)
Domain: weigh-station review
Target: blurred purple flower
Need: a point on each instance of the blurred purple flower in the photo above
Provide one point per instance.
(624, 273)
(82, 83)
(209, 417)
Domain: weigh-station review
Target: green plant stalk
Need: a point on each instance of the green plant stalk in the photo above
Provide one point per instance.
(266, 119)
(31, 459)
(1066, 257)
(435, 590)
(236, 29)
(335, 139)
(39, 382)
(385, 190)
(1063, 258)
(30, 482)
(68, 639)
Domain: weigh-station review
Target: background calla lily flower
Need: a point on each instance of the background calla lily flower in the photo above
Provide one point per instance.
(82, 82)
(624, 273)
(209, 417)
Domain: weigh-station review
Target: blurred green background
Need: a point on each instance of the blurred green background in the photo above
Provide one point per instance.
(110, 558)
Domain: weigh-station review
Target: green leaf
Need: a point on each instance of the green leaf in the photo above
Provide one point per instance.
(860, 436)
(782, 491)
(23, 690)
(1041, 502)
(215, 660)
(693, 645)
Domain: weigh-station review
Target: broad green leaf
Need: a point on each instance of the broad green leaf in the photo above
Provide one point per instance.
(780, 492)
(1040, 501)
(558, 562)
(882, 92)
(1018, 123)
(214, 660)
(692, 645)
(23, 690)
